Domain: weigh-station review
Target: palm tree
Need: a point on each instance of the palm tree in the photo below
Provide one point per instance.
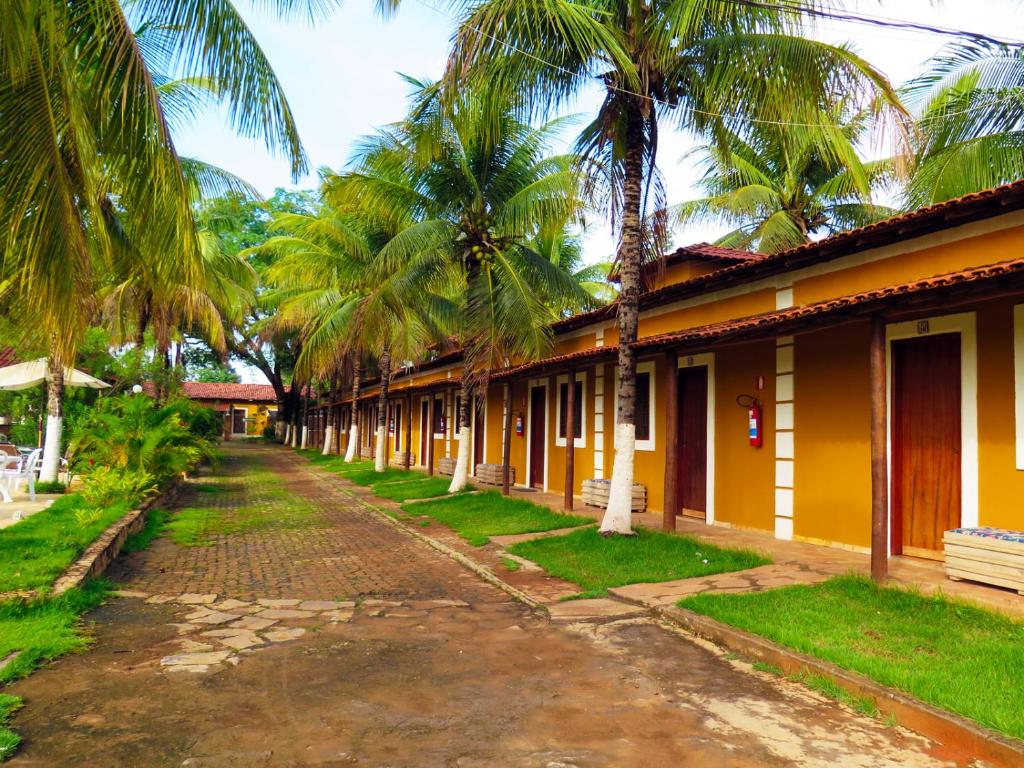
(970, 108)
(466, 189)
(704, 65)
(779, 187)
(88, 159)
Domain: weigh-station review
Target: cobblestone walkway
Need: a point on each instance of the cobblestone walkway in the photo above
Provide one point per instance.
(304, 630)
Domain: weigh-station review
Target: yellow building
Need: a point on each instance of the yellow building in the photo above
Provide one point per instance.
(936, 296)
(248, 409)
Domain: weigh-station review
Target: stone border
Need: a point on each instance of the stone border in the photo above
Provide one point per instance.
(939, 725)
(105, 549)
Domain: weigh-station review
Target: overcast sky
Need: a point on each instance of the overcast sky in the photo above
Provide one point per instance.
(341, 79)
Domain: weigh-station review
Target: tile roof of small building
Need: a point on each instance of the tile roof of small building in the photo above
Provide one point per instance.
(7, 357)
(259, 393)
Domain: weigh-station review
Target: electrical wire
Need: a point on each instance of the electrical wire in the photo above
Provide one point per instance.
(719, 115)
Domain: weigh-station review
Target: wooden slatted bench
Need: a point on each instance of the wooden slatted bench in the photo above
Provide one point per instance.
(595, 494)
(989, 555)
(491, 474)
(446, 466)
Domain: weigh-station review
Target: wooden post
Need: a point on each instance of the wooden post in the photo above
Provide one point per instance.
(430, 434)
(879, 458)
(570, 439)
(408, 431)
(506, 449)
(671, 503)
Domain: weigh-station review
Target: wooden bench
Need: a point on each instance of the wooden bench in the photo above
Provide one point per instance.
(989, 555)
(595, 494)
(491, 474)
(446, 466)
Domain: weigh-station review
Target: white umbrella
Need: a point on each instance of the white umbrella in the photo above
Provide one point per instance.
(31, 374)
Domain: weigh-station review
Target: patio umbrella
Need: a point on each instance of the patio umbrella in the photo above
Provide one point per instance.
(31, 374)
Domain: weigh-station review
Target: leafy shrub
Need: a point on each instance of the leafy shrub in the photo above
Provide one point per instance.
(86, 516)
(199, 420)
(105, 485)
(270, 432)
(50, 486)
(133, 433)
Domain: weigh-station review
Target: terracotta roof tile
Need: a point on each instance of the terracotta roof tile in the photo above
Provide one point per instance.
(198, 390)
(7, 357)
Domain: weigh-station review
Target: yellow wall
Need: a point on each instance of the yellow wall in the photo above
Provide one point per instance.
(832, 472)
(950, 257)
(1001, 484)
(744, 475)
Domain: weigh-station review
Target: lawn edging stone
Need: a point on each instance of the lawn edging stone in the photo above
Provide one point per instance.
(937, 724)
(105, 549)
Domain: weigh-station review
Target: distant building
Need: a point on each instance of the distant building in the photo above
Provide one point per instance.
(248, 408)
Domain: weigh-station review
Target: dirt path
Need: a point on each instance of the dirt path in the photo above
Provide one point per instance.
(371, 649)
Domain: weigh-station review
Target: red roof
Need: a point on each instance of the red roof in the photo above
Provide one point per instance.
(7, 357)
(257, 393)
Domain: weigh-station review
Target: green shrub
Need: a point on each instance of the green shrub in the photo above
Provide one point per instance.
(50, 486)
(105, 485)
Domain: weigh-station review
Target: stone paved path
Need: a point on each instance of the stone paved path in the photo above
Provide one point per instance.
(380, 651)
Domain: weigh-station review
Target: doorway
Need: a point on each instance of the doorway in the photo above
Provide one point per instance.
(424, 430)
(478, 432)
(238, 421)
(538, 434)
(692, 467)
(926, 443)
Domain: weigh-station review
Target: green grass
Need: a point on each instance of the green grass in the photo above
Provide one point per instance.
(156, 524)
(369, 476)
(477, 517)
(596, 562)
(946, 653)
(35, 551)
(40, 630)
(510, 564)
(420, 488)
(9, 740)
(771, 669)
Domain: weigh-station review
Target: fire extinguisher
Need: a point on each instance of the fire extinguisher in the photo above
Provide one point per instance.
(755, 420)
(519, 424)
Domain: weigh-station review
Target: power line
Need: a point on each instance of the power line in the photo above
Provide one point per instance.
(831, 12)
(720, 115)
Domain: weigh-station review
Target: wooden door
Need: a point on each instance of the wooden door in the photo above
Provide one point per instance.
(396, 425)
(925, 443)
(238, 421)
(478, 432)
(693, 441)
(424, 430)
(538, 413)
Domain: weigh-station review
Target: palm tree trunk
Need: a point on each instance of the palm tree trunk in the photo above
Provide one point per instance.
(461, 475)
(304, 441)
(506, 448)
(353, 430)
(381, 460)
(329, 421)
(618, 516)
(54, 420)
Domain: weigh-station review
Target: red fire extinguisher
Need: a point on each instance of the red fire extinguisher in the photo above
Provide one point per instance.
(519, 424)
(755, 421)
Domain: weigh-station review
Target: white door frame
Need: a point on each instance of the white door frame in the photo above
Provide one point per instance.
(529, 428)
(705, 360)
(965, 324)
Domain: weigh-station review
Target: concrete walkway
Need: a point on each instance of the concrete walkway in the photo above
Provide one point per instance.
(309, 631)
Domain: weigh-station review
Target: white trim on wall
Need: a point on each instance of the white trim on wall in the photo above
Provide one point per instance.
(580, 442)
(707, 360)
(1018, 381)
(964, 324)
(648, 366)
(529, 427)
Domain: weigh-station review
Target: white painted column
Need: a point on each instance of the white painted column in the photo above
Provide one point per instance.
(784, 436)
(599, 421)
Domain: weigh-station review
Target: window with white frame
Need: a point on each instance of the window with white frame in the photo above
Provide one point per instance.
(579, 410)
(645, 401)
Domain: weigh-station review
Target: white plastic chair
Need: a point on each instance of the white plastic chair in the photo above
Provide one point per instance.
(14, 469)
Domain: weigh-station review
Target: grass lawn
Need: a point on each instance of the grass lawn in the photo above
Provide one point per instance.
(597, 563)
(955, 656)
(477, 517)
(34, 552)
(420, 488)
